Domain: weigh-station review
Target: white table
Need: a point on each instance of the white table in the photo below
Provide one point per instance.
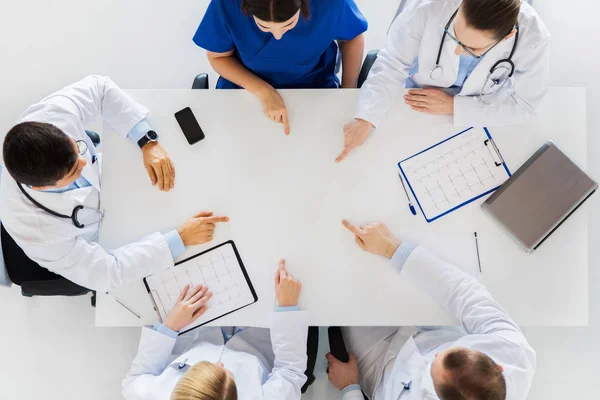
(286, 198)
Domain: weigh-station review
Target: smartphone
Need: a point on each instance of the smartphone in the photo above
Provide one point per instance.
(189, 125)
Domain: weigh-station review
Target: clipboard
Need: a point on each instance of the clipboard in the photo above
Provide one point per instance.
(225, 262)
(454, 172)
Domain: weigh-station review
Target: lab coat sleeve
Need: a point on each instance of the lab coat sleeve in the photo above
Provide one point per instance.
(289, 331)
(151, 360)
(490, 329)
(96, 96)
(463, 296)
(516, 103)
(391, 69)
(91, 266)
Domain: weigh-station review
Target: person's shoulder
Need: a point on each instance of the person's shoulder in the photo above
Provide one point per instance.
(531, 24)
(227, 6)
(429, 7)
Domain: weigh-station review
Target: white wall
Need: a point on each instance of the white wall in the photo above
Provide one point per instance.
(49, 348)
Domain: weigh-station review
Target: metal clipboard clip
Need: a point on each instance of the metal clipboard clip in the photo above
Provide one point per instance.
(490, 144)
(153, 298)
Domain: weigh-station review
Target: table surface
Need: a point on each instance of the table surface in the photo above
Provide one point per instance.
(286, 198)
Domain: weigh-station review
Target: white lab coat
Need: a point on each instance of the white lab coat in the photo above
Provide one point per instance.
(55, 243)
(263, 368)
(485, 327)
(416, 35)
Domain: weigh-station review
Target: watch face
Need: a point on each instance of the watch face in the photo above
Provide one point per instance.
(153, 136)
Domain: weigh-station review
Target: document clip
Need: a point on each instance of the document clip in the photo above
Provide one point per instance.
(153, 298)
(490, 144)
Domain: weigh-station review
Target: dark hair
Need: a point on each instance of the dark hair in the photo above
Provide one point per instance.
(472, 375)
(275, 10)
(38, 154)
(496, 16)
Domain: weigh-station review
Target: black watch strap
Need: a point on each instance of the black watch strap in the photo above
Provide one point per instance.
(150, 136)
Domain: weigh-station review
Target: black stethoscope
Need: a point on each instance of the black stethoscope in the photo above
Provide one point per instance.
(506, 64)
(74, 215)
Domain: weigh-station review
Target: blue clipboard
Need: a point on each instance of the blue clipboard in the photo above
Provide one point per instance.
(489, 141)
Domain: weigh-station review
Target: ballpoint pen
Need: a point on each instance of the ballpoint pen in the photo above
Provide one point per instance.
(412, 208)
(121, 303)
(477, 247)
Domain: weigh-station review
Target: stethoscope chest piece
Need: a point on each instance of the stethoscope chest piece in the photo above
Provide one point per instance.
(436, 72)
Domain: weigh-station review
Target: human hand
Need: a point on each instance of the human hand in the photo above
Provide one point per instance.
(159, 166)
(430, 101)
(355, 134)
(274, 108)
(374, 238)
(200, 228)
(190, 306)
(287, 289)
(341, 374)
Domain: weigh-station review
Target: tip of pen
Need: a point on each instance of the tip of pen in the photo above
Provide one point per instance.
(475, 234)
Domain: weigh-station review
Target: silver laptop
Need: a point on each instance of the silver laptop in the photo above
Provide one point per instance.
(540, 196)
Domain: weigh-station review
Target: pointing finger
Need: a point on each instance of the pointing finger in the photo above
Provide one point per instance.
(212, 220)
(351, 227)
(286, 123)
(202, 214)
(343, 154)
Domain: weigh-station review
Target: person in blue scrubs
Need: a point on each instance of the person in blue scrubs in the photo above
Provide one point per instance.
(264, 45)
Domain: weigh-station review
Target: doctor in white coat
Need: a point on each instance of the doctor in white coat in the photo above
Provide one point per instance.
(486, 62)
(50, 188)
(231, 363)
(486, 357)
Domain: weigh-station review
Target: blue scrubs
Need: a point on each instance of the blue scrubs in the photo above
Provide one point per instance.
(305, 57)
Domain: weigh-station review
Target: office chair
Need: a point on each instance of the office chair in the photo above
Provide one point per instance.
(200, 82)
(34, 280)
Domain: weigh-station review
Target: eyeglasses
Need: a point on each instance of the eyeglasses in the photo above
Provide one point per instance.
(458, 42)
(82, 147)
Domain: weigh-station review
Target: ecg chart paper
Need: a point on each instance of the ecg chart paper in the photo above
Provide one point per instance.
(219, 269)
(454, 172)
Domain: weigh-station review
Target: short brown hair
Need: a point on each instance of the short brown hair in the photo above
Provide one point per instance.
(275, 10)
(205, 381)
(496, 16)
(472, 375)
(38, 154)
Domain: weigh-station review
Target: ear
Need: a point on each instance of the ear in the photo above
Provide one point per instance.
(511, 34)
(500, 367)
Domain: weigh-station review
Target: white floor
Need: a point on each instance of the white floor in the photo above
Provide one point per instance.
(49, 348)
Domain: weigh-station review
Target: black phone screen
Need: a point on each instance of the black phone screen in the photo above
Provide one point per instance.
(189, 125)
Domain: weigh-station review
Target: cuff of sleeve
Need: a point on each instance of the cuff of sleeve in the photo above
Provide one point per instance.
(288, 308)
(401, 255)
(138, 131)
(350, 389)
(160, 328)
(175, 243)
(369, 118)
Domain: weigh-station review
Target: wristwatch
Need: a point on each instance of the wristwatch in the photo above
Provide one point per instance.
(149, 137)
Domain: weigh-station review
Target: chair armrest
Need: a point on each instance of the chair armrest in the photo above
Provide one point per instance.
(55, 287)
(4, 278)
(366, 67)
(200, 82)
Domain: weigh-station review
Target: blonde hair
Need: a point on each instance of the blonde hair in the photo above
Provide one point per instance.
(205, 381)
